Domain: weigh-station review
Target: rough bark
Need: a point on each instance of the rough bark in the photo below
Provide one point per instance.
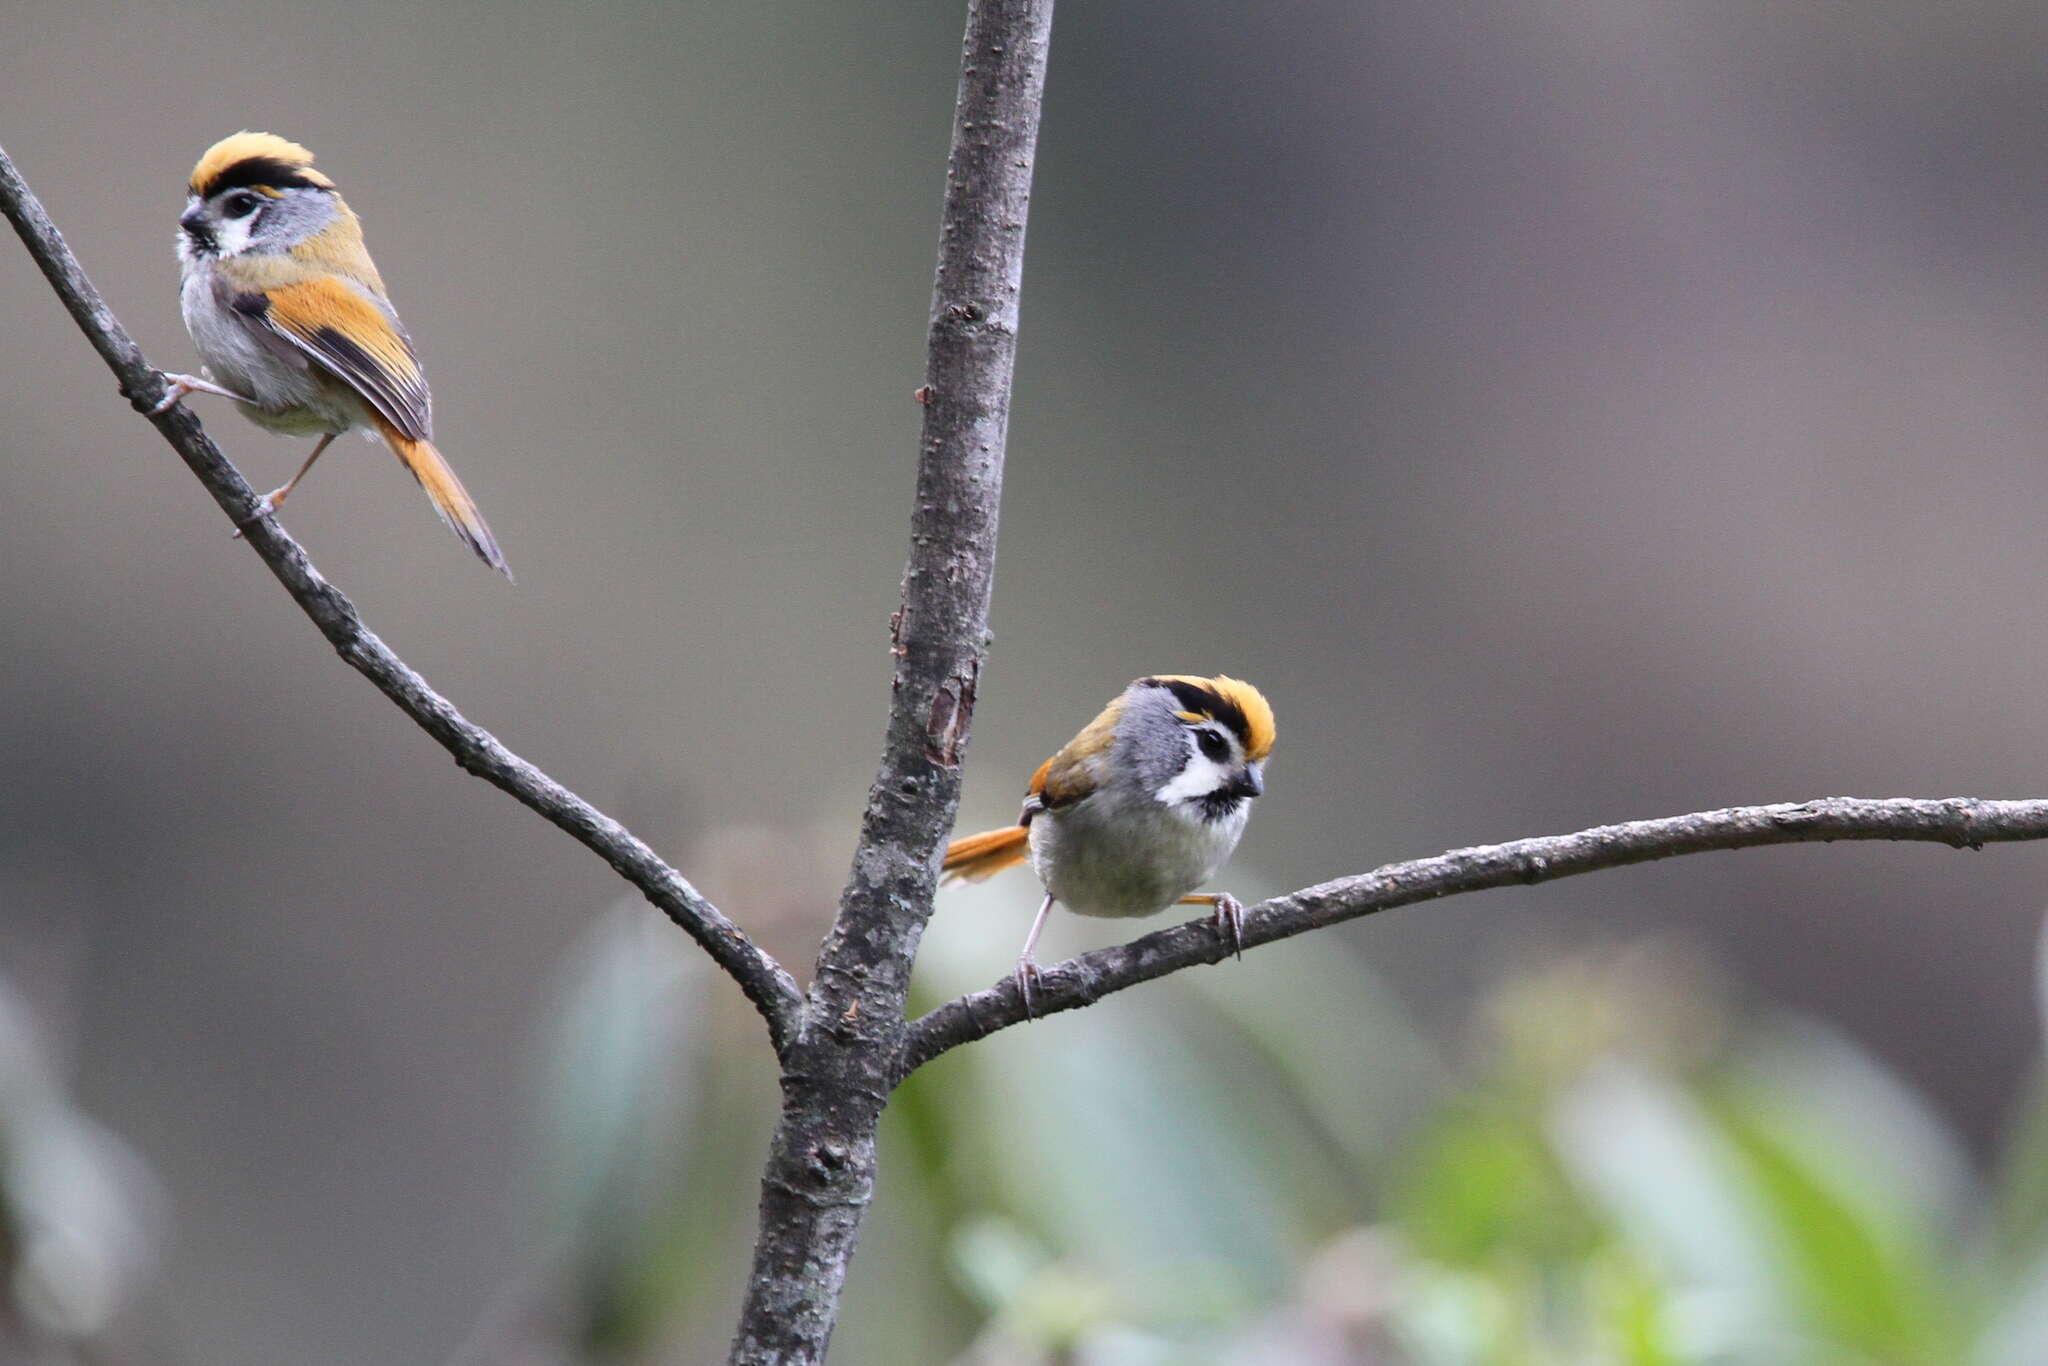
(1959, 822)
(821, 1169)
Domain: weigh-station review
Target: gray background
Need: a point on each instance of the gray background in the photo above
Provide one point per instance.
(1567, 412)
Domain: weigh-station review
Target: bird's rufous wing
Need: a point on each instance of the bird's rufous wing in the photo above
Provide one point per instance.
(350, 335)
(1069, 775)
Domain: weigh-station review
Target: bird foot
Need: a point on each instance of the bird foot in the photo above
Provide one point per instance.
(268, 504)
(1230, 922)
(1026, 974)
(177, 387)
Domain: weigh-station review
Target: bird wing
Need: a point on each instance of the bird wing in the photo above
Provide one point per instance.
(1069, 775)
(354, 337)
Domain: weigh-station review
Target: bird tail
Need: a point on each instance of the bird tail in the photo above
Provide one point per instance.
(450, 499)
(976, 857)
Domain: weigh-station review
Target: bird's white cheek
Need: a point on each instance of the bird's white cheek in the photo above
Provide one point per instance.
(232, 235)
(1198, 778)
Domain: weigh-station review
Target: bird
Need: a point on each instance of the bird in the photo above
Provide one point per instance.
(1137, 810)
(293, 322)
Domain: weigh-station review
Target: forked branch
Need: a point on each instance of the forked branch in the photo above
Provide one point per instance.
(1959, 822)
(845, 1047)
(766, 984)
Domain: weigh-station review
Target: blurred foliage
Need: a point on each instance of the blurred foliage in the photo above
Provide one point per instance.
(1261, 1165)
(1267, 1164)
(80, 1214)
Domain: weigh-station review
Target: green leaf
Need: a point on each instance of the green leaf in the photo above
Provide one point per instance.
(1656, 1166)
(1480, 1183)
(1862, 1288)
(1630, 1308)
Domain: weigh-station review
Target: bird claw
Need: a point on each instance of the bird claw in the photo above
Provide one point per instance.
(177, 386)
(1027, 972)
(265, 507)
(1230, 922)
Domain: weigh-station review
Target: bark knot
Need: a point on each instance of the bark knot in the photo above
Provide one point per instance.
(951, 715)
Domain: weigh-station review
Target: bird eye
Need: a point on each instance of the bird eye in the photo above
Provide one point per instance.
(1213, 746)
(239, 203)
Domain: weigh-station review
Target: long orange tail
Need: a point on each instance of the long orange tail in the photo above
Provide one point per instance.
(974, 857)
(450, 499)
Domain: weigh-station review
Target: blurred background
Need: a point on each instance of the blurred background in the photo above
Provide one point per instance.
(1565, 411)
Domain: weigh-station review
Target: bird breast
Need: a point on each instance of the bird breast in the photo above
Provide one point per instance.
(1118, 854)
(291, 394)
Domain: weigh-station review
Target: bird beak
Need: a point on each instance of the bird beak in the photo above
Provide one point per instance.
(1250, 783)
(193, 221)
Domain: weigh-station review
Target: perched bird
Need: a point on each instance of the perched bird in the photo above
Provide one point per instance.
(1139, 809)
(290, 315)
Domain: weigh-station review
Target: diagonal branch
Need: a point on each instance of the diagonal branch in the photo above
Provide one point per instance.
(766, 984)
(1960, 822)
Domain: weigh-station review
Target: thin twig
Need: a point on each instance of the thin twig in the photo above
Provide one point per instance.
(766, 984)
(1960, 822)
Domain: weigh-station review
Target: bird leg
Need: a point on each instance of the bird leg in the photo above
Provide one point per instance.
(177, 386)
(1229, 916)
(273, 500)
(1027, 970)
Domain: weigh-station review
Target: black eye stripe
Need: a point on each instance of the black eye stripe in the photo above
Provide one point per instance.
(1203, 701)
(266, 171)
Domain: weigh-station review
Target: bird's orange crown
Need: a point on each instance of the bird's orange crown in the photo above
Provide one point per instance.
(261, 161)
(1232, 701)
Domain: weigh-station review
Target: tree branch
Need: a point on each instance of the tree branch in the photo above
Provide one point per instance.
(821, 1165)
(766, 984)
(1960, 822)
